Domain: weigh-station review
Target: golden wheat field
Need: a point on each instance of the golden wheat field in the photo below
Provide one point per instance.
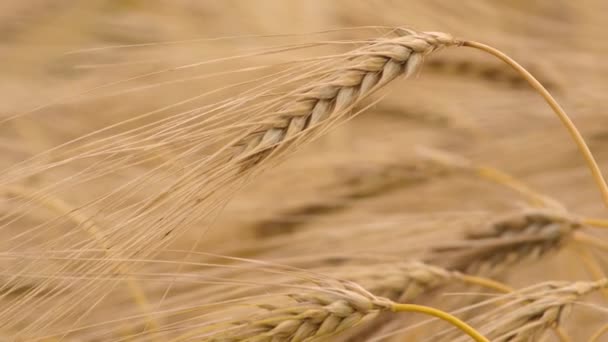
(303, 170)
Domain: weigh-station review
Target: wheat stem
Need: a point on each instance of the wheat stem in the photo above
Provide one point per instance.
(592, 266)
(502, 178)
(590, 240)
(559, 111)
(562, 335)
(601, 331)
(598, 223)
(486, 283)
(491, 174)
(464, 327)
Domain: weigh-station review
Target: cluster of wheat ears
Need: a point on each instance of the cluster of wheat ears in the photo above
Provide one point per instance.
(99, 265)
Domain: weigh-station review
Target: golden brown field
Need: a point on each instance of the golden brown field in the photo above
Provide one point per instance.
(301, 170)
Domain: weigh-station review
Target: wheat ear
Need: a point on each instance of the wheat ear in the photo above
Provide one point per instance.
(317, 314)
(528, 313)
(507, 241)
(350, 189)
(344, 91)
(367, 71)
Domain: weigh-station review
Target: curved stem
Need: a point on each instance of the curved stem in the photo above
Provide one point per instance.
(491, 174)
(562, 335)
(599, 333)
(486, 282)
(578, 139)
(464, 327)
(504, 179)
(592, 266)
(590, 240)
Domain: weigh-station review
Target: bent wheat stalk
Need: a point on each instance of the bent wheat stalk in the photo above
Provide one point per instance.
(559, 111)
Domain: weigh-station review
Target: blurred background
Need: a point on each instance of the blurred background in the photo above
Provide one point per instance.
(68, 61)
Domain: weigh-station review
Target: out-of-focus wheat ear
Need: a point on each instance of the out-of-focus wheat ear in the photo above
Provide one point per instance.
(406, 281)
(526, 315)
(364, 73)
(90, 228)
(534, 198)
(559, 111)
(528, 235)
(359, 185)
